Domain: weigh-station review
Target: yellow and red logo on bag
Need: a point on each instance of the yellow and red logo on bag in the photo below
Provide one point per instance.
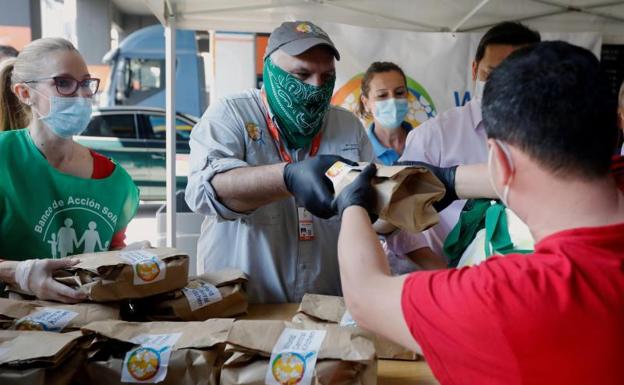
(148, 270)
(143, 363)
(288, 368)
(30, 325)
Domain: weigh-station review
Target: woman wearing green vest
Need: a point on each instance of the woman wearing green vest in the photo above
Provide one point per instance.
(57, 198)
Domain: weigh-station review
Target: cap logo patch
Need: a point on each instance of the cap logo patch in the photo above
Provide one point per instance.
(304, 28)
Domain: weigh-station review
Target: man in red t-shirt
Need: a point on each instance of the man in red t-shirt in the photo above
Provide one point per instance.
(555, 316)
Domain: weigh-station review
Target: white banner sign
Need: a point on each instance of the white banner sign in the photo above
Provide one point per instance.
(438, 65)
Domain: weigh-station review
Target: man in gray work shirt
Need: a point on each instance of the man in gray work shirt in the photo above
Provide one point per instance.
(263, 208)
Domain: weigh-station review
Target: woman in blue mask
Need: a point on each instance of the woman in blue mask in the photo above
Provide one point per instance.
(57, 198)
(384, 101)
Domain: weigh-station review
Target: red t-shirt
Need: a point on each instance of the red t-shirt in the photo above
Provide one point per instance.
(553, 317)
(102, 168)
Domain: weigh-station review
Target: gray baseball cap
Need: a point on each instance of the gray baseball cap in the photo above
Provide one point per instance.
(296, 37)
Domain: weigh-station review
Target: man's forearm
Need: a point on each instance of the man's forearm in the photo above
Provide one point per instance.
(371, 293)
(247, 188)
(361, 258)
(472, 181)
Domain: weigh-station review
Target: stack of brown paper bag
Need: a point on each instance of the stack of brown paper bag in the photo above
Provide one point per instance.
(316, 308)
(40, 358)
(168, 353)
(47, 315)
(346, 355)
(118, 275)
(219, 294)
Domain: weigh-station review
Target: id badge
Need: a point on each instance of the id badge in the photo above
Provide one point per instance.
(306, 225)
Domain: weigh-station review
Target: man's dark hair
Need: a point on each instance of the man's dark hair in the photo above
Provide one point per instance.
(508, 33)
(553, 102)
(7, 50)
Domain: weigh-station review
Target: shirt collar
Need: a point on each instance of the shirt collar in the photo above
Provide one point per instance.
(378, 148)
(475, 111)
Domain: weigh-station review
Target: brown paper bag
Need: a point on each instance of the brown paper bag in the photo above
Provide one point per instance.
(316, 308)
(195, 357)
(40, 358)
(199, 300)
(27, 315)
(118, 275)
(404, 194)
(346, 356)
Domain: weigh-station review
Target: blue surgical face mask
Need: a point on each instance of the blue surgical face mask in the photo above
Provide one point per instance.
(67, 116)
(390, 113)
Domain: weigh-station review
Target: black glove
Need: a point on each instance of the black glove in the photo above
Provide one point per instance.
(307, 181)
(446, 175)
(358, 193)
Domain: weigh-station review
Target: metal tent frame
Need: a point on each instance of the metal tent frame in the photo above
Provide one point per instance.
(413, 15)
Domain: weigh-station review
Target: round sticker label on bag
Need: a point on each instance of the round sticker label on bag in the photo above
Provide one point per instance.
(294, 357)
(147, 363)
(147, 267)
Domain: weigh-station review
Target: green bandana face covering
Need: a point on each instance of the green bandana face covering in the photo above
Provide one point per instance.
(298, 107)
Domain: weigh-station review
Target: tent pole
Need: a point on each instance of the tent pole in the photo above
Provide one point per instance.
(417, 24)
(521, 19)
(588, 9)
(170, 151)
(469, 15)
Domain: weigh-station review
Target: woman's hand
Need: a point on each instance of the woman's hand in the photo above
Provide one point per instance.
(34, 276)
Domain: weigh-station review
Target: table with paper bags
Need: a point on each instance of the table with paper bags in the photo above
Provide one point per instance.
(146, 284)
(185, 335)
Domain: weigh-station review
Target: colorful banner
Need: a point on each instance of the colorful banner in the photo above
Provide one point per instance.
(438, 65)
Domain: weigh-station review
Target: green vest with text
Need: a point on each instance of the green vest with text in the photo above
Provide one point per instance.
(45, 213)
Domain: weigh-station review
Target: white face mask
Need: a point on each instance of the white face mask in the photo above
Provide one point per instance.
(504, 197)
(478, 89)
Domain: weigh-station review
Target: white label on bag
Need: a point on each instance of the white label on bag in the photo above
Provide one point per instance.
(347, 320)
(202, 296)
(294, 357)
(46, 319)
(147, 363)
(147, 267)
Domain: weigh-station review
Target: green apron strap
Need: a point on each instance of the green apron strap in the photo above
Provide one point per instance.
(497, 238)
(471, 220)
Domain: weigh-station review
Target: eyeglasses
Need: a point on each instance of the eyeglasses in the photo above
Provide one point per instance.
(67, 86)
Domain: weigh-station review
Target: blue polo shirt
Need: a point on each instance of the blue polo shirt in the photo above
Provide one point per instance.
(385, 155)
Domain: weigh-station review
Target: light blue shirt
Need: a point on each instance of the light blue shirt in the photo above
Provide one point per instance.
(385, 155)
(264, 243)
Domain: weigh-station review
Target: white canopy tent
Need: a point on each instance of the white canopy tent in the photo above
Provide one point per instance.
(604, 16)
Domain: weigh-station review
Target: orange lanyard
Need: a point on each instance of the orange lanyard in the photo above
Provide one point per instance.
(316, 142)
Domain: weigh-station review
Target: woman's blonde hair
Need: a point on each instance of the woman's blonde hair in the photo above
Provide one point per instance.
(28, 65)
